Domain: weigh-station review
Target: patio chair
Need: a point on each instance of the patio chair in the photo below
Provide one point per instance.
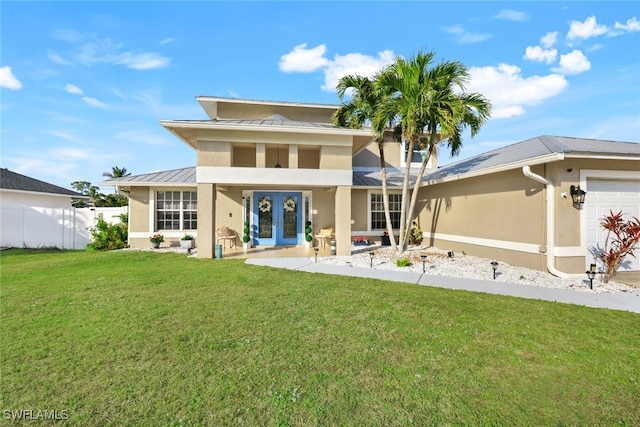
(224, 233)
(323, 235)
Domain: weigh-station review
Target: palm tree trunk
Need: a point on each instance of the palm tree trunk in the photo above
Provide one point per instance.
(385, 196)
(416, 187)
(405, 194)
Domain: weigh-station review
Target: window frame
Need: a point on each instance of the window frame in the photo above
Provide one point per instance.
(370, 211)
(182, 210)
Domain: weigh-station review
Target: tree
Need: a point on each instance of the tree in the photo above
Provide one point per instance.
(93, 191)
(431, 106)
(115, 200)
(356, 113)
(117, 172)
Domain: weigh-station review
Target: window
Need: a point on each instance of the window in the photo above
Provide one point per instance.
(176, 210)
(377, 211)
(416, 157)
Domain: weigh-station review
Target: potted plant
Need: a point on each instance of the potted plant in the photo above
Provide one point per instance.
(386, 241)
(308, 234)
(246, 236)
(156, 239)
(186, 242)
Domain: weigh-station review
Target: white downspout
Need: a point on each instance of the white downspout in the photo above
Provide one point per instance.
(526, 170)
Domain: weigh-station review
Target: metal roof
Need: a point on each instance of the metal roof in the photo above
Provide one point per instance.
(541, 149)
(273, 120)
(174, 176)
(14, 181)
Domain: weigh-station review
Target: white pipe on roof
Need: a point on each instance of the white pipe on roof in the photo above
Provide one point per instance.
(526, 170)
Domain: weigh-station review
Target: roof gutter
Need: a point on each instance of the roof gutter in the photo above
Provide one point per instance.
(526, 170)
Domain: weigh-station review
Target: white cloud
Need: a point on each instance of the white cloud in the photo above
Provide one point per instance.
(58, 59)
(632, 25)
(355, 63)
(142, 61)
(303, 60)
(167, 41)
(549, 39)
(573, 63)
(73, 89)
(510, 92)
(93, 102)
(70, 153)
(536, 53)
(64, 135)
(8, 80)
(587, 29)
(89, 50)
(512, 15)
(464, 36)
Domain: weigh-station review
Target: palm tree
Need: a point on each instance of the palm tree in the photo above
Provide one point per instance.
(117, 172)
(431, 105)
(359, 111)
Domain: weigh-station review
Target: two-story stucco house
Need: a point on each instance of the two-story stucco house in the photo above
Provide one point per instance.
(280, 165)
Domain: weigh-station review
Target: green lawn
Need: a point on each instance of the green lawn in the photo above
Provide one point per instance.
(141, 338)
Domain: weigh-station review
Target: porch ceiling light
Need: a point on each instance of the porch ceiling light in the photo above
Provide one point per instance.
(577, 195)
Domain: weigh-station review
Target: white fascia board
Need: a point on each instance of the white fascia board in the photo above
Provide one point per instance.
(259, 128)
(603, 157)
(548, 158)
(30, 193)
(122, 184)
(272, 176)
(263, 102)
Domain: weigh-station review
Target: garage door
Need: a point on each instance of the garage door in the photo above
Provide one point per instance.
(610, 195)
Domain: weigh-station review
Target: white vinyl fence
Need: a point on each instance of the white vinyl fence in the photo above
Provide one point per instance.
(24, 226)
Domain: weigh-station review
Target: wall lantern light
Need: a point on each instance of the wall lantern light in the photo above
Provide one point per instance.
(577, 195)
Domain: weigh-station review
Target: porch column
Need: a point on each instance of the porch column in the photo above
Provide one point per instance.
(206, 220)
(343, 220)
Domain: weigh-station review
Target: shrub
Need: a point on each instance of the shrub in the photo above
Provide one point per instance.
(107, 237)
(622, 239)
(415, 235)
(403, 262)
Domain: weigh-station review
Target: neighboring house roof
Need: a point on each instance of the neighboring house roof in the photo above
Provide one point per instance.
(174, 177)
(14, 181)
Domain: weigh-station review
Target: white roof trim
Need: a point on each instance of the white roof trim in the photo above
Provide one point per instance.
(239, 127)
(547, 158)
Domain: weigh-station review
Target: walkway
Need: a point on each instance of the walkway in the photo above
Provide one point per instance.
(626, 301)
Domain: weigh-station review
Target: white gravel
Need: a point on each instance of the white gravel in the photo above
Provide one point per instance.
(467, 266)
(460, 265)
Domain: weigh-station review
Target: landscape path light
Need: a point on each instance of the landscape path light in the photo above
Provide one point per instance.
(494, 265)
(424, 259)
(371, 255)
(315, 250)
(591, 274)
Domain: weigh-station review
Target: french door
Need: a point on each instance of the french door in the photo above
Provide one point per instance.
(278, 218)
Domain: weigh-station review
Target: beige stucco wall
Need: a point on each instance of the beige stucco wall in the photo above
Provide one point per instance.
(359, 209)
(214, 153)
(504, 206)
(370, 156)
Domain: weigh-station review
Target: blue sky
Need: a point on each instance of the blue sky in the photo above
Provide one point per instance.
(83, 85)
